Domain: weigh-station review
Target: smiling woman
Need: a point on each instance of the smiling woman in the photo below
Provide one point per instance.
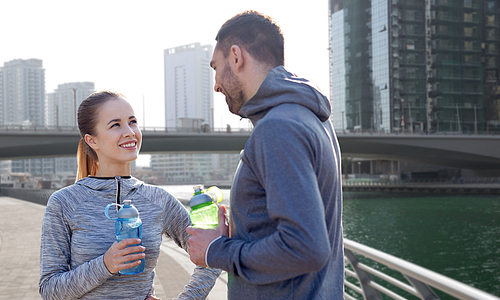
(80, 257)
(115, 138)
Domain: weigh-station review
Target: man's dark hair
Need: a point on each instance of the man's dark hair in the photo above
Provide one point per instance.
(258, 34)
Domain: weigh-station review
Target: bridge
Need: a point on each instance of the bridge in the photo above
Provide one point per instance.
(475, 152)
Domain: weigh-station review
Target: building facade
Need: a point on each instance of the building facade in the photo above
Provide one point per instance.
(188, 84)
(416, 65)
(189, 106)
(61, 111)
(62, 104)
(22, 102)
(22, 92)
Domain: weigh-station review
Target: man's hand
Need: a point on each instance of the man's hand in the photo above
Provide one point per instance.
(201, 238)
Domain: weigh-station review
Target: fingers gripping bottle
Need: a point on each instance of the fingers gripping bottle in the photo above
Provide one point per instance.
(204, 211)
(128, 225)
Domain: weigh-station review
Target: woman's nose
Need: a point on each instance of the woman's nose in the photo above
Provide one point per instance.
(129, 132)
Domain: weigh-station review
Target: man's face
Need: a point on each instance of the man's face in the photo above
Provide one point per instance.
(226, 82)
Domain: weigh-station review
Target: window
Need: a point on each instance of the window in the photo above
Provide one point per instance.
(467, 3)
(491, 48)
(490, 20)
(467, 17)
(491, 62)
(468, 31)
(468, 46)
(491, 34)
(491, 75)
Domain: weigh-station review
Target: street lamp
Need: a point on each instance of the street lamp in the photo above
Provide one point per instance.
(74, 107)
(403, 115)
(57, 115)
(360, 122)
(475, 120)
(342, 120)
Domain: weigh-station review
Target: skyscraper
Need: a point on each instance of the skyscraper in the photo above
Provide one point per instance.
(22, 102)
(188, 84)
(22, 92)
(63, 103)
(61, 108)
(416, 65)
(189, 106)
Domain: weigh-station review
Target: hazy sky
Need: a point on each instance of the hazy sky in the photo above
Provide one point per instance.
(119, 44)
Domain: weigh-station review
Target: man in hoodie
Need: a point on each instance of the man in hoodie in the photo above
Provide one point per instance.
(284, 239)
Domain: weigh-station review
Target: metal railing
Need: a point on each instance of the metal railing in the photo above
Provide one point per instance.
(39, 196)
(427, 181)
(493, 131)
(159, 129)
(488, 131)
(420, 279)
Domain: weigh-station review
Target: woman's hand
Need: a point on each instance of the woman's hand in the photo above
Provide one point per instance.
(117, 254)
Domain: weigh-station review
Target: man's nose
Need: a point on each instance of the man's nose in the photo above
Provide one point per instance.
(217, 88)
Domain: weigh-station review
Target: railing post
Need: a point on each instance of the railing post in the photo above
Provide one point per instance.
(363, 276)
(423, 289)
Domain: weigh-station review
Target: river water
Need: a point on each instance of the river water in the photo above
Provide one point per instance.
(455, 235)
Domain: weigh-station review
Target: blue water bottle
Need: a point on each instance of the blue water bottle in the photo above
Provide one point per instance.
(128, 225)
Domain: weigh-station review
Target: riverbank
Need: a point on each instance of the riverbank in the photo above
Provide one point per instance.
(430, 188)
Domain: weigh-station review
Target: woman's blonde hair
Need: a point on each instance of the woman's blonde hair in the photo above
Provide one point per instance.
(88, 162)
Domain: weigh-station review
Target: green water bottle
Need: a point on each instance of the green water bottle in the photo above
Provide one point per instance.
(204, 210)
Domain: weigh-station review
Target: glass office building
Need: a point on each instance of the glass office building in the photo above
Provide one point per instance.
(416, 65)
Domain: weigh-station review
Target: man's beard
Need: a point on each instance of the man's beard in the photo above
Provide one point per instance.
(233, 91)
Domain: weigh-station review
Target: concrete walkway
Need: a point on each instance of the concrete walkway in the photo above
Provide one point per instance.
(20, 224)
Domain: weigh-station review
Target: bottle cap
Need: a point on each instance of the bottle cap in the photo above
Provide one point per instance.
(199, 196)
(128, 210)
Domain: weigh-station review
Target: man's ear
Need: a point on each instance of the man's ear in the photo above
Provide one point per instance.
(91, 142)
(237, 58)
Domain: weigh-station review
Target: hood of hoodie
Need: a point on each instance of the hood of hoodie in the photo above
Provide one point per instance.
(113, 186)
(281, 86)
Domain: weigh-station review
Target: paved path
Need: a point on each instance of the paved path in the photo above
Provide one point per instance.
(20, 224)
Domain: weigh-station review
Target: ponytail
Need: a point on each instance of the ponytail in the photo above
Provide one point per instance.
(87, 161)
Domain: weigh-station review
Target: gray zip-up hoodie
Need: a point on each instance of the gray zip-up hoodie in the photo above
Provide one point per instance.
(76, 234)
(286, 199)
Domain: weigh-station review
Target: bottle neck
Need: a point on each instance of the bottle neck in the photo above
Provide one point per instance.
(202, 205)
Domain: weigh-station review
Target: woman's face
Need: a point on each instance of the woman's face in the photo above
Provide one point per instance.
(118, 138)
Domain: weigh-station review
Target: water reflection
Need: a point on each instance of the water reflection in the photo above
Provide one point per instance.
(455, 235)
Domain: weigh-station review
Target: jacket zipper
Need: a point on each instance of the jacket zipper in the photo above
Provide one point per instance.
(117, 192)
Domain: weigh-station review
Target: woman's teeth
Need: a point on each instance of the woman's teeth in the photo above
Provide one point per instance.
(129, 145)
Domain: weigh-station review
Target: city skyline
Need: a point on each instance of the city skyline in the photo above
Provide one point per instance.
(122, 48)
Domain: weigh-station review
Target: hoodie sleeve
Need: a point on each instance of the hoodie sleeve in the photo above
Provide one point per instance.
(283, 156)
(57, 280)
(203, 279)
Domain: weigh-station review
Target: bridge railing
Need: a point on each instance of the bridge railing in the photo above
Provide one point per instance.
(207, 129)
(201, 129)
(359, 283)
(414, 133)
(416, 181)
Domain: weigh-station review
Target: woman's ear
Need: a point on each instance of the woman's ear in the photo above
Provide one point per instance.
(91, 141)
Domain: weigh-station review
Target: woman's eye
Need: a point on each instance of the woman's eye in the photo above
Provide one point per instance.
(116, 124)
(133, 122)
